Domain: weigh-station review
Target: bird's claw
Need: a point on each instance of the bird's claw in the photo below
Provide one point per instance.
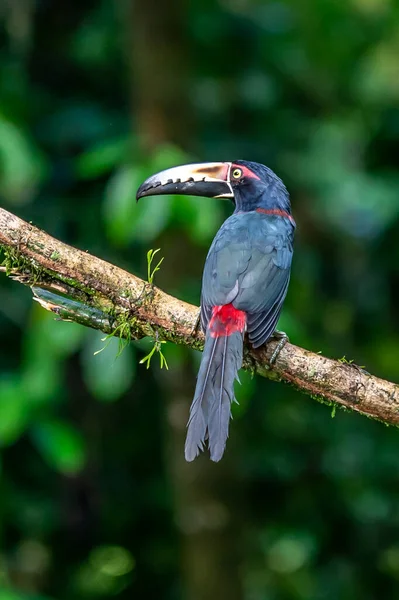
(283, 339)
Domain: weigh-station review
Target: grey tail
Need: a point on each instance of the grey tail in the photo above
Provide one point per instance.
(210, 410)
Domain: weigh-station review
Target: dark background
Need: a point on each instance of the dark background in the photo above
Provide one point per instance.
(96, 500)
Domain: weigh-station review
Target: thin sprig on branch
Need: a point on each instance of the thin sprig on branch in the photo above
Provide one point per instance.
(79, 287)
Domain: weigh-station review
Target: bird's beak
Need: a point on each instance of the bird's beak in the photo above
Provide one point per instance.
(204, 179)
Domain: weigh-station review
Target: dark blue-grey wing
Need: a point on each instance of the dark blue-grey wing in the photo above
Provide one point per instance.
(264, 288)
(249, 265)
(261, 325)
(226, 264)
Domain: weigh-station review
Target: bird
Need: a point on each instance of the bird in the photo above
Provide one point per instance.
(244, 284)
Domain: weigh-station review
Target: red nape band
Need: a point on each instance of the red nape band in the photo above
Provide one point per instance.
(277, 212)
(226, 320)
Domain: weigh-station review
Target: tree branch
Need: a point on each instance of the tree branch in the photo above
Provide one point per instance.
(82, 288)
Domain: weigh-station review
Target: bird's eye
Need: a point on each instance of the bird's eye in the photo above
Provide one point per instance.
(237, 173)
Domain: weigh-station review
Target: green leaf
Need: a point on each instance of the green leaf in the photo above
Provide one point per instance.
(151, 270)
(21, 164)
(14, 595)
(9, 594)
(244, 393)
(201, 217)
(101, 158)
(57, 336)
(61, 446)
(167, 156)
(124, 218)
(42, 368)
(14, 410)
(108, 374)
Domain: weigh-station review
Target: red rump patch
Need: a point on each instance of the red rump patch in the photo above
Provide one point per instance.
(226, 320)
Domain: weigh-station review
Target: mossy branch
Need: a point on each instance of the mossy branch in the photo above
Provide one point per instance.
(82, 288)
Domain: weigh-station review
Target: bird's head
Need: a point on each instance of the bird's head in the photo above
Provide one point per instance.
(249, 185)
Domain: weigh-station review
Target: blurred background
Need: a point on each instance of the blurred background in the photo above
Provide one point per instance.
(96, 500)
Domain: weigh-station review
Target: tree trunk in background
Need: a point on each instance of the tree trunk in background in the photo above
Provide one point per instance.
(158, 54)
(205, 493)
(207, 501)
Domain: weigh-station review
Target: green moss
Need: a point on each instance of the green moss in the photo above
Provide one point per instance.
(73, 283)
(319, 398)
(15, 262)
(38, 245)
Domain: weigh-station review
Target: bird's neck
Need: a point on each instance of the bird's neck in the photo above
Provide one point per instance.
(277, 212)
(263, 202)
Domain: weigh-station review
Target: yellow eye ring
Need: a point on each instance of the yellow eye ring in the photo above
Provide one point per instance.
(237, 173)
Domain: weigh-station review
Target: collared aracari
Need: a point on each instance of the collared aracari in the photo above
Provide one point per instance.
(244, 283)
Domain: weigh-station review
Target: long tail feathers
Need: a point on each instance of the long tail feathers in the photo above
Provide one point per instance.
(210, 410)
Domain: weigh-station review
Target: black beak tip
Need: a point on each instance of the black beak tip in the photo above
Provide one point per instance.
(146, 189)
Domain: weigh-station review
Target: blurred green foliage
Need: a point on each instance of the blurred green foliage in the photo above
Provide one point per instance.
(310, 88)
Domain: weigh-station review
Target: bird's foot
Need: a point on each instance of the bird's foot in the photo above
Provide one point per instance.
(283, 339)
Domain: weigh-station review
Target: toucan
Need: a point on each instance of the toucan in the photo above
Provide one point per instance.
(244, 283)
